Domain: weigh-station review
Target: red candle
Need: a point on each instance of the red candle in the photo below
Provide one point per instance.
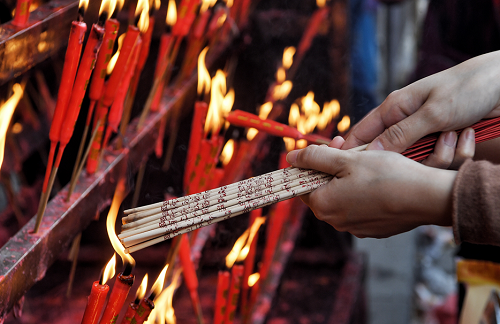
(117, 298)
(248, 264)
(22, 13)
(129, 315)
(189, 272)
(221, 296)
(233, 170)
(185, 18)
(218, 175)
(244, 12)
(143, 311)
(161, 64)
(234, 293)
(200, 113)
(213, 26)
(199, 166)
(204, 182)
(133, 306)
(253, 299)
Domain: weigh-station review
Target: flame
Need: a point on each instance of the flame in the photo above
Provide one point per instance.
(280, 75)
(237, 247)
(108, 6)
(289, 143)
(141, 291)
(142, 11)
(163, 311)
(265, 109)
(227, 152)
(205, 4)
(282, 91)
(344, 124)
(251, 133)
(288, 54)
(83, 4)
(227, 102)
(6, 112)
(229, 3)
(253, 278)
(320, 3)
(330, 110)
(309, 106)
(109, 270)
(221, 20)
(171, 13)
(111, 220)
(158, 285)
(253, 231)
(294, 116)
(204, 79)
(156, 4)
(214, 118)
(17, 128)
(112, 61)
(119, 5)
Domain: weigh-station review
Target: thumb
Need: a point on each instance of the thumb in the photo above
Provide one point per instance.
(401, 135)
(320, 158)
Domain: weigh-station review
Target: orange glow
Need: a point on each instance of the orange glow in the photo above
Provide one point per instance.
(109, 270)
(294, 116)
(280, 75)
(108, 6)
(142, 11)
(281, 91)
(205, 5)
(229, 3)
(237, 247)
(141, 291)
(344, 124)
(112, 61)
(227, 102)
(330, 110)
(6, 112)
(83, 4)
(253, 278)
(214, 120)
(265, 109)
(221, 20)
(309, 106)
(158, 285)
(320, 3)
(171, 13)
(17, 128)
(253, 231)
(119, 5)
(157, 4)
(111, 221)
(204, 80)
(227, 152)
(288, 54)
(163, 311)
(251, 133)
(300, 144)
(289, 143)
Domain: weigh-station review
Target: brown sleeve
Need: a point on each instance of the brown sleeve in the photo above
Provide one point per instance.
(476, 203)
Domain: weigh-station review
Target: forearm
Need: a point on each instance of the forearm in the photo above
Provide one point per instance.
(489, 151)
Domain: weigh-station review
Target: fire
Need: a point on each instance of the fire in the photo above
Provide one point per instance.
(205, 4)
(218, 95)
(309, 106)
(6, 112)
(158, 285)
(83, 4)
(280, 75)
(204, 79)
(171, 13)
(330, 110)
(112, 61)
(264, 111)
(109, 270)
(251, 133)
(163, 311)
(157, 4)
(253, 278)
(229, 3)
(221, 20)
(227, 152)
(107, 6)
(289, 143)
(281, 91)
(142, 11)
(320, 3)
(253, 231)
(294, 116)
(119, 5)
(111, 220)
(288, 54)
(141, 291)
(344, 124)
(237, 247)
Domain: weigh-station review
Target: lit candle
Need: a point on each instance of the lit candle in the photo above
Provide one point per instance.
(234, 293)
(147, 305)
(95, 302)
(132, 307)
(22, 13)
(223, 280)
(248, 264)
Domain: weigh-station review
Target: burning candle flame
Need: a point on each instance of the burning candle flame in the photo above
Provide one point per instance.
(344, 124)
(221, 20)
(163, 311)
(107, 6)
(227, 102)
(281, 91)
(204, 79)
(214, 118)
(264, 111)
(289, 143)
(320, 3)
(109, 270)
(158, 285)
(83, 4)
(330, 110)
(237, 247)
(142, 11)
(111, 220)
(141, 291)
(112, 61)
(171, 13)
(6, 112)
(119, 5)
(227, 152)
(280, 75)
(229, 3)
(294, 116)
(288, 54)
(253, 231)
(309, 106)
(205, 4)
(253, 278)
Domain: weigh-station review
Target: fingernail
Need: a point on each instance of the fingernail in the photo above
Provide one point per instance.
(450, 139)
(291, 157)
(376, 145)
(470, 133)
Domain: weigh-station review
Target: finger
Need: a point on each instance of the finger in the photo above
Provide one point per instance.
(466, 148)
(324, 159)
(305, 198)
(396, 107)
(444, 151)
(337, 142)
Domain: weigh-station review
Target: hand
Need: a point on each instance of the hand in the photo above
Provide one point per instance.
(374, 193)
(446, 101)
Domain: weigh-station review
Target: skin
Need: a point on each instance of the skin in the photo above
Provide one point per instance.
(379, 193)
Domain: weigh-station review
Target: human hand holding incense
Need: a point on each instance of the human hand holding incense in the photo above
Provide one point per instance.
(446, 101)
(374, 193)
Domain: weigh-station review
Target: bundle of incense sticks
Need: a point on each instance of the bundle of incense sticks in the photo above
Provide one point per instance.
(151, 224)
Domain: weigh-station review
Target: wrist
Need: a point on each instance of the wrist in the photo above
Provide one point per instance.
(441, 195)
